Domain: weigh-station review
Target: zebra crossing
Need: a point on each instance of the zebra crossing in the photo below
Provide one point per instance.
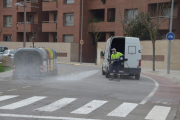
(122, 111)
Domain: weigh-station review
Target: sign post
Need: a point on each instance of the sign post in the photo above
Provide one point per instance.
(170, 36)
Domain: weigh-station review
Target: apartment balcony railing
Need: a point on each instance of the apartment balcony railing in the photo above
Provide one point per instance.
(28, 9)
(49, 26)
(103, 26)
(163, 21)
(30, 27)
(50, 5)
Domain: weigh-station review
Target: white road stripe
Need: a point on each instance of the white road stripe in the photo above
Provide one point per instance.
(22, 103)
(56, 105)
(158, 113)
(86, 109)
(11, 90)
(123, 110)
(152, 93)
(43, 117)
(26, 87)
(6, 97)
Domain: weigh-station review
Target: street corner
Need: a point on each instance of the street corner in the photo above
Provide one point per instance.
(163, 79)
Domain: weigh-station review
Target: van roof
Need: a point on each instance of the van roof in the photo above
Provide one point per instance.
(123, 37)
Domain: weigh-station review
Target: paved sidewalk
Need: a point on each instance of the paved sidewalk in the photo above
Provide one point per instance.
(6, 75)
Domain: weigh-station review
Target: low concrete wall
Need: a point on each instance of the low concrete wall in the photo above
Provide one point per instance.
(161, 54)
(66, 51)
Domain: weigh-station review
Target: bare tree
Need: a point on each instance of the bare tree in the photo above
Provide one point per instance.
(96, 34)
(33, 35)
(152, 21)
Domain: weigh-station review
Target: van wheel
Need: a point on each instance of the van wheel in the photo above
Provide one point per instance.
(137, 76)
(103, 73)
(107, 74)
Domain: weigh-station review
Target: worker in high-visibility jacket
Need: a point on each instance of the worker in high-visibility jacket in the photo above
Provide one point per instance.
(115, 63)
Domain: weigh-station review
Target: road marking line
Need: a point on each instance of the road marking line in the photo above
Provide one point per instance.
(22, 103)
(56, 105)
(153, 91)
(86, 109)
(26, 87)
(11, 90)
(158, 113)
(41, 83)
(43, 117)
(5, 97)
(123, 110)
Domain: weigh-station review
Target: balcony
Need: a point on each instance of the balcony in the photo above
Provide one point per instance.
(49, 26)
(29, 27)
(28, 9)
(163, 22)
(49, 5)
(102, 26)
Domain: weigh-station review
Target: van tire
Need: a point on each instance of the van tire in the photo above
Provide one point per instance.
(137, 76)
(103, 73)
(107, 75)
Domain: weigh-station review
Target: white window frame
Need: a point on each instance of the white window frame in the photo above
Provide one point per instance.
(68, 1)
(71, 22)
(8, 21)
(7, 3)
(131, 14)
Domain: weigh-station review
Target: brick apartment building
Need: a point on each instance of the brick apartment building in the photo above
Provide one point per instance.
(60, 20)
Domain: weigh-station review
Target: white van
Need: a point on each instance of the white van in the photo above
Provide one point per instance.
(130, 48)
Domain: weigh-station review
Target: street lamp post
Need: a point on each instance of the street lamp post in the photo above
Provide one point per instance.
(20, 5)
(24, 41)
(170, 30)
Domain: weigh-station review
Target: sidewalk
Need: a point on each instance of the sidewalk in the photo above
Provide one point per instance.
(6, 75)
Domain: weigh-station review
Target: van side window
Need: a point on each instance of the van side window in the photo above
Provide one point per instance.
(131, 49)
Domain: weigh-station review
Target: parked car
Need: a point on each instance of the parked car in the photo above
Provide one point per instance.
(2, 49)
(8, 55)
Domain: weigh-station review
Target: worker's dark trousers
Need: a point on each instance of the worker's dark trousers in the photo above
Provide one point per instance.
(114, 67)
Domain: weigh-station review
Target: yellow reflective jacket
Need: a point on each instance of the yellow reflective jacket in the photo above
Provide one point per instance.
(115, 57)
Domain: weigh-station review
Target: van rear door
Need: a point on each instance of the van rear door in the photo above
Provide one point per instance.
(131, 52)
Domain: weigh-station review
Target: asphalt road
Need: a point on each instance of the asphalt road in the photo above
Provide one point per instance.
(82, 93)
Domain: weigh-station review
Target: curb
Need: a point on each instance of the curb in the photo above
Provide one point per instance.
(178, 113)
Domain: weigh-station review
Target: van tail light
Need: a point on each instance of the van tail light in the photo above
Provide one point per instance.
(139, 64)
(9, 55)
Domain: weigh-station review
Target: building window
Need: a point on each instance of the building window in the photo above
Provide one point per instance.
(131, 14)
(166, 12)
(31, 19)
(55, 17)
(7, 21)
(68, 38)
(7, 38)
(69, 19)
(68, 1)
(55, 38)
(7, 3)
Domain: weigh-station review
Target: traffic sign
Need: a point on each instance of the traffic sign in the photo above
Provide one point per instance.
(81, 42)
(170, 36)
